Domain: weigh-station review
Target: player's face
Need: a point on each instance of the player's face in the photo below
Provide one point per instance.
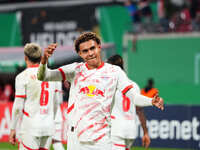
(90, 51)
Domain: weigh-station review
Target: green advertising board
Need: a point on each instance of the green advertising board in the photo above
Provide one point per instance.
(114, 21)
(10, 29)
(172, 60)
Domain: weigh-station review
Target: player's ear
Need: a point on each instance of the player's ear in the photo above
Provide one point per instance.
(25, 58)
(79, 53)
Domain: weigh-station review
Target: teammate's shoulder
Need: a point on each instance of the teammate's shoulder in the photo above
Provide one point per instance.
(114, 67)
(21, 74)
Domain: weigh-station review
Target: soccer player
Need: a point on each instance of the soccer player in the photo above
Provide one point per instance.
(93, 86)
(123, 128)
(35, 103)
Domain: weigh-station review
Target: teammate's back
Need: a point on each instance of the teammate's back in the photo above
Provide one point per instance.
(35, 104)
(39, 103)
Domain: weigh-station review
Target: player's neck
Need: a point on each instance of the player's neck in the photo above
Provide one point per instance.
(31, 64)
(90, 67)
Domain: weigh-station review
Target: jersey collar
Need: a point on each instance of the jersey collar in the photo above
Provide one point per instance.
(102, 64)
(33, 66)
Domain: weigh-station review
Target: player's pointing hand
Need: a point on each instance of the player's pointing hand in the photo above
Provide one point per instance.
(48, 52)
(158, 102)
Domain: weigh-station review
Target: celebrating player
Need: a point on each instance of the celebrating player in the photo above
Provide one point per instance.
(93, 86)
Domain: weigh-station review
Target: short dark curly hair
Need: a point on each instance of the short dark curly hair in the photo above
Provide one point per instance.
(84, 37)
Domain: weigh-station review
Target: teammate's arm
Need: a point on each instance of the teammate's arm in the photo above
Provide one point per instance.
(145, 139)
(138, 99)
(17, 110)
(16, 115)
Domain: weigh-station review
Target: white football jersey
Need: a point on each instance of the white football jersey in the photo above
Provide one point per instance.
(124, 115)
(91, 96)
(40, 98)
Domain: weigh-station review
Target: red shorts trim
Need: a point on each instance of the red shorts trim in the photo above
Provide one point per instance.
(28, 147)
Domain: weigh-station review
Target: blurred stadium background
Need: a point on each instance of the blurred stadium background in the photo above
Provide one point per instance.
(158, 39)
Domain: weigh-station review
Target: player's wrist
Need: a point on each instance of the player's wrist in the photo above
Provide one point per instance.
(44, 60)
(145, 132)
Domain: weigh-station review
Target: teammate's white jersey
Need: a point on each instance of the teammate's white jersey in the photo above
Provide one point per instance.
(91, 96)
(38, 106)
(124, 115)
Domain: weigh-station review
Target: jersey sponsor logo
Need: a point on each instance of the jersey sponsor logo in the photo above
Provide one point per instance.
(91, 91)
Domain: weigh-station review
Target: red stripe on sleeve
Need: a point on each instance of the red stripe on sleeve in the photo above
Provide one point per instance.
(20, 96)
(62, 73)
(127, 88)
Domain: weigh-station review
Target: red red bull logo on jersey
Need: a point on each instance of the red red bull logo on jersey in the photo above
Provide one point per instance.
(91, 91)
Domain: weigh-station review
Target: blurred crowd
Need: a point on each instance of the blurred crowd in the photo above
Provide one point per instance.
(157, 15)
(6, 93)
(164, 15)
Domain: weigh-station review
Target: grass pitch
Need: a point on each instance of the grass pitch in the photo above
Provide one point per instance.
(7, 146)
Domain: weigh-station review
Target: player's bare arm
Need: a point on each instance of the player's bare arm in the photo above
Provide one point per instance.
(48, 52)
(158, 102)
(145, 139)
